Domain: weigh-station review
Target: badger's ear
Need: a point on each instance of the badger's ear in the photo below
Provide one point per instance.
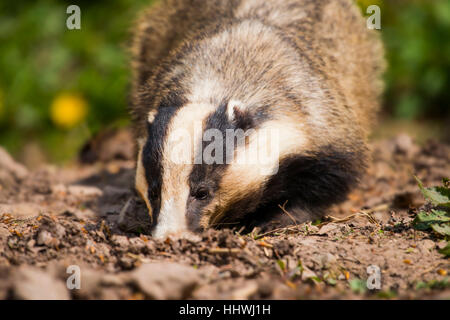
(151, 116)
(239, 115)
(234, 107)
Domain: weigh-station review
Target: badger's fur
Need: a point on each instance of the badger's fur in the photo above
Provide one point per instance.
(309, 69)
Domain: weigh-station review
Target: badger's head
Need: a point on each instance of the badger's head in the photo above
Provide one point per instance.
(204, 165)
(239, 123)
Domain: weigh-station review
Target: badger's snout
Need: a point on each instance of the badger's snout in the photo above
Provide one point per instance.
(171, 220)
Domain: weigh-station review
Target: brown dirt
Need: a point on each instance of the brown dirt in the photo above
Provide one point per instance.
(88, 215)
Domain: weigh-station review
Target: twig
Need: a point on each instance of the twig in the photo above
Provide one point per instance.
(285, 211)
(291, 228)
(363, 213)
(124, 210)
(431, 268)
(224, 250)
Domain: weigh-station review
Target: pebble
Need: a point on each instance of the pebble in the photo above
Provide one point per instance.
(165, 280)
(44, 238)
(8, 163)
(327, 228)
(120, 241)
(84, 191)
(31, 283)
(427, 245)
(4, 232)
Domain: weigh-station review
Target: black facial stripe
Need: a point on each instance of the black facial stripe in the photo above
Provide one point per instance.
(211, 172)
(316, 180)
(309, 184)
(152, 151)
(209, 175)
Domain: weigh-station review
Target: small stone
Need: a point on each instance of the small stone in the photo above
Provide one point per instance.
(4, 232)
(30, 244)
(60, 231)
(307, 274)
(44, 238)
(327, 228)
(126, 262)
(165, 280)
(427, 245)
(59, 189)
(8, 163)
(442, 244)
(404, 144)
(327, 260)
(90, 284)
(85, 191)
(120, 241)
(31, 283)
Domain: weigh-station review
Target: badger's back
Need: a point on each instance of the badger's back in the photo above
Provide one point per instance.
(330, 34)
(307, 68)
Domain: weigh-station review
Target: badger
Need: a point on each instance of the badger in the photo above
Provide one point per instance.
(306, 74)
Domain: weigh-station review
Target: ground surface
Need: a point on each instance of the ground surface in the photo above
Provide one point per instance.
(88, 216)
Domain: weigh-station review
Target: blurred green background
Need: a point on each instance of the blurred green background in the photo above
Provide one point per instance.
(58, 87)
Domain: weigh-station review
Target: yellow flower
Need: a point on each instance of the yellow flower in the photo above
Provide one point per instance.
(68, 110)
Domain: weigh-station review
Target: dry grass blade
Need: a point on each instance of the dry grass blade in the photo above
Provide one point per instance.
(283, 230)
(286, 212)
(224, 250)
(124, 210)
(363, 213)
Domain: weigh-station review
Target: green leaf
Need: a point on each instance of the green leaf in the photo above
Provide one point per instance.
(435, 216)
(282, 265)
(358, 286)
(442, 229)
(425, 220)
(331, 281)
(446, 250)
(387, 294)
(433, 284)
(315, 279)
(436, 195)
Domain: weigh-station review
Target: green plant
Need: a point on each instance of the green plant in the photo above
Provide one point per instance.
(436, 218)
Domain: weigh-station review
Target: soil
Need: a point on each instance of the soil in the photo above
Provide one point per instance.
(87, 215)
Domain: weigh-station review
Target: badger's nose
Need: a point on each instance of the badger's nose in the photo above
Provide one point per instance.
(185, 234)
(171, 221)
(165, 229)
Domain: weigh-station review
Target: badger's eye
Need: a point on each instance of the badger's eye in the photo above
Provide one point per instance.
(200, 194)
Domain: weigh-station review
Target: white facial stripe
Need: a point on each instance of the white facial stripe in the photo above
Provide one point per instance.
(171, 220)
(175, 185)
